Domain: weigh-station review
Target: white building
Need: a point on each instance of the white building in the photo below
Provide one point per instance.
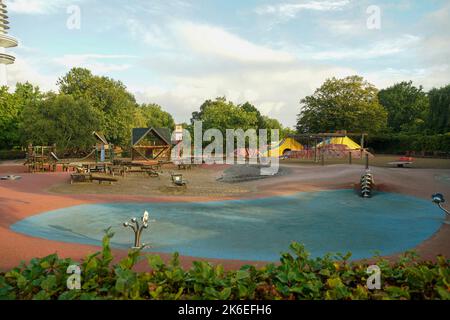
(5, 42)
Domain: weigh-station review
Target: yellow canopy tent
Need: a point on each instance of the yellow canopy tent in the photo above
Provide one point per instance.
(352, 145)
(278, 149)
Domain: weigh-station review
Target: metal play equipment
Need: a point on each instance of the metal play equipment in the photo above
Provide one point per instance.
(438, 199)
(367, 184)
(138, 228)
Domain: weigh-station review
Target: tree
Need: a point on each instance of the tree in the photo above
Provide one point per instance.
(222, 114)
(439, 116)
(117, 107)
(76, 81)
(262, 121)
(11, 106)
(407, 106)
(9, 113)
(154, 116)
(342, 104)
(61, 120)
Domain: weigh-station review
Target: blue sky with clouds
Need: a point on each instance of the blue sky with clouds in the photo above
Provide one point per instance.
(272, 53)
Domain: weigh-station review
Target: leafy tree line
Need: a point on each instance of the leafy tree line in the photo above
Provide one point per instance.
(84, 103)
(353, 104)
(222, 114)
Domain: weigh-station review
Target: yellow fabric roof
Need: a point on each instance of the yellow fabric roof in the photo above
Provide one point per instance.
(341, 140)
(277, 149)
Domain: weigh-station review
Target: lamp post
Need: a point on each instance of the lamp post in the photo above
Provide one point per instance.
(137, 229)
(438, 199)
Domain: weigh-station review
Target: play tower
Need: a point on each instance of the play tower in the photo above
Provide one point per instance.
(5, 42)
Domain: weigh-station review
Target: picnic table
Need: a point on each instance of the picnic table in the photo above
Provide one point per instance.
(148, 170)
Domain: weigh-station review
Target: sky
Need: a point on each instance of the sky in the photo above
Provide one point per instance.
(179, 53)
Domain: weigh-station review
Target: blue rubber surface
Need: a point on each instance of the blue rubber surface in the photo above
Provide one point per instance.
(326, 221)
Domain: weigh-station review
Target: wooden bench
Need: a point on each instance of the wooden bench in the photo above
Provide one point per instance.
(103, 179)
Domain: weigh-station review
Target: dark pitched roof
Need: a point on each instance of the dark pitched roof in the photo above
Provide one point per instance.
(139, 133)
(101, 137)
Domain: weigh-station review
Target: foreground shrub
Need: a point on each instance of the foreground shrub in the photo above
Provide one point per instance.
(296, 277)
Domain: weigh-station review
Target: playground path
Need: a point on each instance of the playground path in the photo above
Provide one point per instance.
(29, 196)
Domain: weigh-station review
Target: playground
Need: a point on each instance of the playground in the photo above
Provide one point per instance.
(228, 214)
(399, 217)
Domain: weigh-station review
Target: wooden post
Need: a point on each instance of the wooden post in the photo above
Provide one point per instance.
(323, 157)
(362, 144)
(367, 161)
(350, 157)
(315, 150)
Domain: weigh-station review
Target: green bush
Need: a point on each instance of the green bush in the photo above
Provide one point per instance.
(12, 154)
(296, 277)
(419, 144)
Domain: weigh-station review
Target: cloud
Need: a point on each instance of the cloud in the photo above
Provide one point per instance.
(25, 69)
(214, 41)
(181, 60)
(150, 34)
(435, 48)
(95, 62)
(290, 10)
(377, 50)
(33, 7)
(210, 61)
(344, 27)
(276, 93)
(429, 77)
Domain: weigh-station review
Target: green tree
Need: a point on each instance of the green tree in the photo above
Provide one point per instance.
(407, 106)
(262, 121)
(117, 107)
(154, 116)
(62, 120)
(222, 114)
(342, 104)
(9, 113)
(11, 107)
(76, 81)
(439, 116)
